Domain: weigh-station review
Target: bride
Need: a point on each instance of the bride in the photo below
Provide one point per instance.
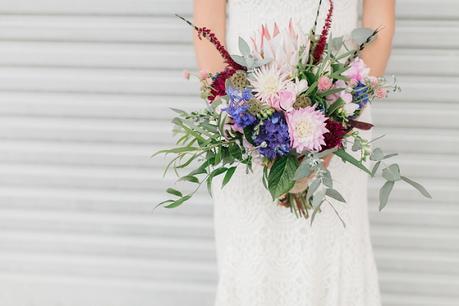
(267, 257)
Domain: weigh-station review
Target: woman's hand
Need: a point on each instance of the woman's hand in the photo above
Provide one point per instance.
(302, 184)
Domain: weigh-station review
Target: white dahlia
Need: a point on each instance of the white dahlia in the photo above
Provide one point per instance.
(268, 81)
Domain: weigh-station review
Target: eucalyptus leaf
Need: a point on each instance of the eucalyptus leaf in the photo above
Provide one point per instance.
(318, 198)
(303, 170)
(244, 48)
(384, 193)
(377, 154)
(360, 35)
(391, 173)
(332, 193)
(178, 111)
(418, 186)
(375, 168)
(357, 145)
(239, 59)
(337, 43)
(312, 188)
(390, 155)
(327, 179)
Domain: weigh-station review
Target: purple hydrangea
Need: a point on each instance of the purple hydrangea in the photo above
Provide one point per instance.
(273, 138)
(238, 109)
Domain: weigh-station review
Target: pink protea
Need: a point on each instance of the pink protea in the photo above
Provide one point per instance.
(282, 45)
(306, 128)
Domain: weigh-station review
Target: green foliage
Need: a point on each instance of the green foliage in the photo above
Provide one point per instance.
(202, 142)
(281, 175)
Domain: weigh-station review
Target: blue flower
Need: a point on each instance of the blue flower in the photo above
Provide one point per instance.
(273, 138)
(360, 94)
(237, 108)
(239, 113)
(238, 95)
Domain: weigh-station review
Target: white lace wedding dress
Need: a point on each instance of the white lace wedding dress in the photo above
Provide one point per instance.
(268, 257)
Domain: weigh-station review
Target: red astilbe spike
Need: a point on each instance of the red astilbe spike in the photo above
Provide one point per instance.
(206, 33)
(321, 43)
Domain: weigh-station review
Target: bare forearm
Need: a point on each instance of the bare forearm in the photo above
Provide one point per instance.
(379, 14)
(210, 14)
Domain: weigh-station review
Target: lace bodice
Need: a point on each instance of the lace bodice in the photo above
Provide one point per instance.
(246, 16)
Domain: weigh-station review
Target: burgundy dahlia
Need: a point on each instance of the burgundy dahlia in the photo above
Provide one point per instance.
(218, 84)
(334, 137)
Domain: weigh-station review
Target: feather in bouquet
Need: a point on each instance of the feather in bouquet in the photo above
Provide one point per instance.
(287, 101)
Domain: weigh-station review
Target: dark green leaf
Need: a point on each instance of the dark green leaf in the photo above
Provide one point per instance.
(326, 152)
(190, 178)
(418, 186)
(212, 175)
(228, 176)
(179, 202)
(330, 92)
(335, 106)
(346, 157)
(177, 150)
(174, 192)
(163, 202)
(281, 175)
(384, 193)
(187, 163)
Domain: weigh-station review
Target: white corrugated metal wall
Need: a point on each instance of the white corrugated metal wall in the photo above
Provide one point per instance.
(84, 91)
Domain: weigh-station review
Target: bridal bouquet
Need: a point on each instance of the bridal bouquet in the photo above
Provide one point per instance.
(286, 102)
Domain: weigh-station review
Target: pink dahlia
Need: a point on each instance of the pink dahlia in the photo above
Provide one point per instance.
(306, 128)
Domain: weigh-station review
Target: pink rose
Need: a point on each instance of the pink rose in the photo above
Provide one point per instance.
(358, 70)
(381, 93)
(284, 100)
(325, 83)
